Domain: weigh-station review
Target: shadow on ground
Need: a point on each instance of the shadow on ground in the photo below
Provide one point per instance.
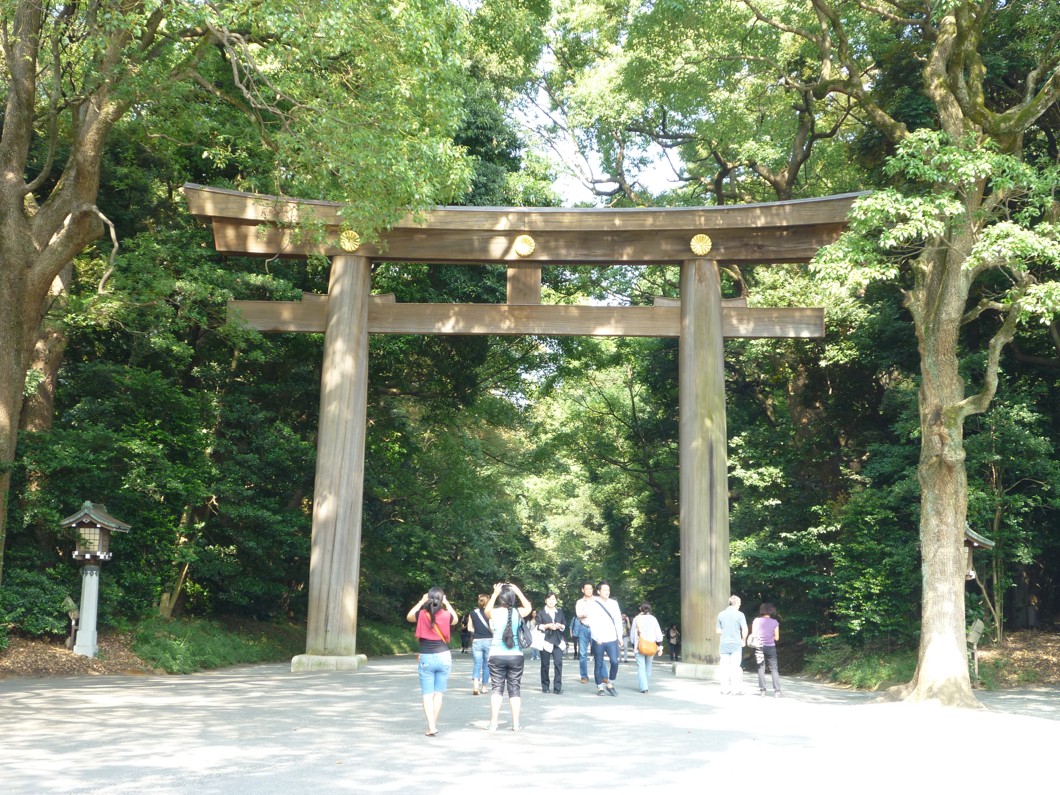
(262, 729)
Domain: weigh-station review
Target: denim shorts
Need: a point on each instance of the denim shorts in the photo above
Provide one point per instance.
(434, 672)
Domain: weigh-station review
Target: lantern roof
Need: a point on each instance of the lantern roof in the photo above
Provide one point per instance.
(96, 513)
(976, 540)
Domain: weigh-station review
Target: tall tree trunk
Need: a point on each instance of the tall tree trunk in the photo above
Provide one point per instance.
(937, 304)
(39, 407)
(18, 327)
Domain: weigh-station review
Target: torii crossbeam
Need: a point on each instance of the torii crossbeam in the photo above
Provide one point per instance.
(698, 239)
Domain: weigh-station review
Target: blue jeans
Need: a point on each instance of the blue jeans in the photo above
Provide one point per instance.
(610, 648)
(434, 672)
(480, 652)
(583, 655)
(643, 670)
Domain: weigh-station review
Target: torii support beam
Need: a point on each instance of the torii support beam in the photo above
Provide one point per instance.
(781, 232)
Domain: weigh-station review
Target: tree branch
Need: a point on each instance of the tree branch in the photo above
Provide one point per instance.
(979, 403)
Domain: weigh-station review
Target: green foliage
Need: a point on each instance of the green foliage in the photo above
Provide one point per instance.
(190, 645)
(866, 668)
(34, 603)
(379, 639)
(640, 86)
(603, 499)
(992, 672)
(546, 461)
(890, 229)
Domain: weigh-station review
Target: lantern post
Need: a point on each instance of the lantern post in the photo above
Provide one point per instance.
(94, 527)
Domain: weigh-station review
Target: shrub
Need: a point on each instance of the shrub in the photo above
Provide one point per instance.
(867, 668)
(34, 602)
(186, 646)
(379, 640)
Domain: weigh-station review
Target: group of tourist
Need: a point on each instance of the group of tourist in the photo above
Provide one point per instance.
(498, 632)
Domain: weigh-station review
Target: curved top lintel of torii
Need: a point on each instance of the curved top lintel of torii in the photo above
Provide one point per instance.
(775, 232)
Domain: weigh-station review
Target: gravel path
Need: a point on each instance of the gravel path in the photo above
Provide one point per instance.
(262, 729)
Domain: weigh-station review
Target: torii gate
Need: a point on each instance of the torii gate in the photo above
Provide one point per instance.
(698, 239)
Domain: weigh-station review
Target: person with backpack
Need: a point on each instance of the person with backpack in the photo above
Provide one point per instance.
(506, 653)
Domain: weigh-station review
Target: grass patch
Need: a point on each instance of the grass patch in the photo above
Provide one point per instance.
(862, 668)
(992, 673)
(187, 645)
(182, 646)
(381, 640)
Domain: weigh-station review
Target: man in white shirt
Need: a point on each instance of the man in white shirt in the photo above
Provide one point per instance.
(605, 624)
(581, 609)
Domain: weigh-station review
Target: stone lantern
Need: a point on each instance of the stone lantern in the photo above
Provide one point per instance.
(94, 527)
(972, 542)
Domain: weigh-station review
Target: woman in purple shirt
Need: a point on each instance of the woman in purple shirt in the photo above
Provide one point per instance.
(767, 629)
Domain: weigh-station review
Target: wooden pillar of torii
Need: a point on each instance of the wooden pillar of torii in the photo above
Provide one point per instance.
(698, 239)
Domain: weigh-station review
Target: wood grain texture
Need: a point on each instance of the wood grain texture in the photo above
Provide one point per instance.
(335, 551)
(775, 232)
(771, 246)
(387, 317)
(704, 522)
(219, 203)
(524, 283)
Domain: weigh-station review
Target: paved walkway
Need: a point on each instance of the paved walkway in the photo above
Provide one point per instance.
(262, 729)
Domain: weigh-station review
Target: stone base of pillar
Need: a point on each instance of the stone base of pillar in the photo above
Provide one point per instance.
(85, 648)
(684, 670)
(304, 663)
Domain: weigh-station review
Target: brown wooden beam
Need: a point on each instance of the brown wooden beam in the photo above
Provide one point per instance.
(703, 467)
(524, 283)
(219, 203)
(730, 246)
(386, 317)
(335, 551)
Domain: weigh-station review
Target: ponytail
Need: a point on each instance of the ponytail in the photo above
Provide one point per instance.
(435, 599)
(509, 635)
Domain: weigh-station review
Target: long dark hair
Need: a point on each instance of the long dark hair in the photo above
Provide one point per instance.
(507, 599)
(435, 597)
(767, 609)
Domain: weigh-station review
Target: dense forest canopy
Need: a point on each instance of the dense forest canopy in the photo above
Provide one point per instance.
(854, 461)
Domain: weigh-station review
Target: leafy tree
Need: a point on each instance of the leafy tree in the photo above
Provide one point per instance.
(719, 103)
(989, 82)
(1014, 481)
(978, 212)
(375, 130)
